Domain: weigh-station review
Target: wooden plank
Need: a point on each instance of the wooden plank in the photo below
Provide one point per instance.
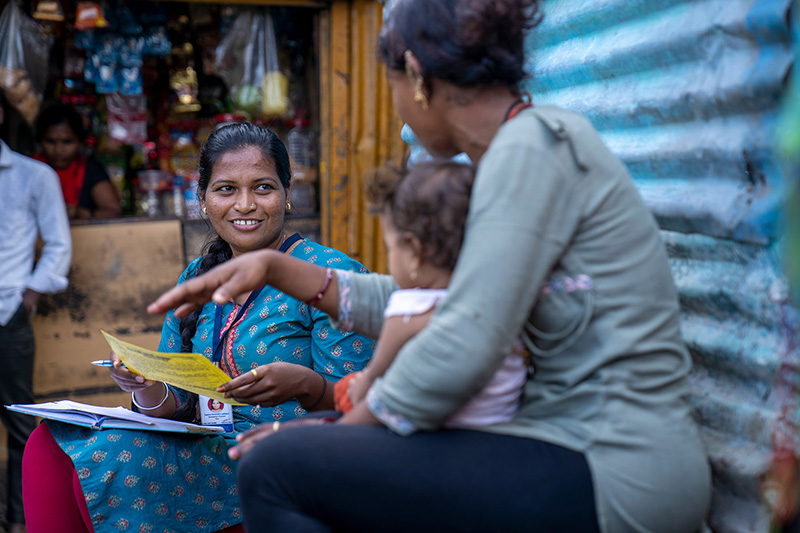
(325, 129)
(357, 97)
(117, 269)
(359, 128)
(340, 122)
(368, 159)
(386, 134)
(365, 156)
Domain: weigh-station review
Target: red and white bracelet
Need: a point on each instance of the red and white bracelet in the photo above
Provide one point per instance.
(321, 293)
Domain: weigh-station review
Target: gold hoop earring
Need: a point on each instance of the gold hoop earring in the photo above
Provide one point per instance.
(205, 211)
(288, 206)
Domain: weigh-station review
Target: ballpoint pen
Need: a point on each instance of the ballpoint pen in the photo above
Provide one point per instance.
(106, 363)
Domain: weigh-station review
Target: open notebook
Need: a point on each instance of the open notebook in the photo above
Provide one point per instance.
(96, 417)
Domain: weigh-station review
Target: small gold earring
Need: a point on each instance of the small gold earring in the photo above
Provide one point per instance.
(406, 56)
(205, 211)
(419, 94)
(288, 206)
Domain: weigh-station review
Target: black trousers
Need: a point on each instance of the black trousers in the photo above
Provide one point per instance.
(365, 478)
(16, 386)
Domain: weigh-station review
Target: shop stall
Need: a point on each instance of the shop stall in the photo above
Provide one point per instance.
(151, 80)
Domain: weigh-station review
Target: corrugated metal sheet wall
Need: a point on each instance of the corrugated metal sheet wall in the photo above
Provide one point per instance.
(687, 94)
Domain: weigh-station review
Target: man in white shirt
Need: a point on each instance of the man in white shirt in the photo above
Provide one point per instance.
(31, 205)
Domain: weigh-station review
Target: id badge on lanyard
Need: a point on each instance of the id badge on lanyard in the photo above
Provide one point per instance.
(215, 413)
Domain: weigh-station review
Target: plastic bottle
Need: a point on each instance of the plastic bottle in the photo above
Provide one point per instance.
(178, 206)
(152, 183)
(192, 202)
(300, 141)
(301, 145)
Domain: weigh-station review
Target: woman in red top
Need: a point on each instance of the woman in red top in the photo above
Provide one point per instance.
(87, 189)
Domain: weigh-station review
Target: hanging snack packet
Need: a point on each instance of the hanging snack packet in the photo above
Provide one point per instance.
(92, 71)
(106, 78)
(106, 47)
(130, 79)
(48, 10)
(127, 118)
(89, 15)
(74, 64)
(130, 54)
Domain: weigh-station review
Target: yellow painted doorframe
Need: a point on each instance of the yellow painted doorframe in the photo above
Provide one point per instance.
(359, 128)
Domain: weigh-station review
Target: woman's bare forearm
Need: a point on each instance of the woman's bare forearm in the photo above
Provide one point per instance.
(304, 281)
(297, 278)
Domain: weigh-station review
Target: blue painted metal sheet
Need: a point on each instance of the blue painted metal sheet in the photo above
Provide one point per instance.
(687, 94)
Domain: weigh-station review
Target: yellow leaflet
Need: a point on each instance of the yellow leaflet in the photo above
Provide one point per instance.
(188, 371)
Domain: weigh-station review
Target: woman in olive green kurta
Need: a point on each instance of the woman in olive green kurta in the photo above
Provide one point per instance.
(559, 248)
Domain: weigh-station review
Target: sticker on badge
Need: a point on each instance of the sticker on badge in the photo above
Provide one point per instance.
(215, 413)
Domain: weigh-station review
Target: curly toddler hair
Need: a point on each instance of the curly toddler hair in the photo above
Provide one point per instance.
(430, 201)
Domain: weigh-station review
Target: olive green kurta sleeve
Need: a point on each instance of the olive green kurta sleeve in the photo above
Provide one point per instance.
(370, 293)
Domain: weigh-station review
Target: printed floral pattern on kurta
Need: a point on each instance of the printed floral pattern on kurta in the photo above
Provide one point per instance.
(149, 481)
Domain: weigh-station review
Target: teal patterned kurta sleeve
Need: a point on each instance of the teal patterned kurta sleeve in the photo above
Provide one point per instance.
(335, 352)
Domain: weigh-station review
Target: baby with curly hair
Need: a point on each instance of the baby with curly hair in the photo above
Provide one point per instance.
(423, 215)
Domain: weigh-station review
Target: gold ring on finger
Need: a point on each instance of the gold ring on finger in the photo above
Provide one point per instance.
(255, 374)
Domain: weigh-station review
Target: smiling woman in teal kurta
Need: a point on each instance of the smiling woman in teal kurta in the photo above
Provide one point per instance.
(152, 481)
